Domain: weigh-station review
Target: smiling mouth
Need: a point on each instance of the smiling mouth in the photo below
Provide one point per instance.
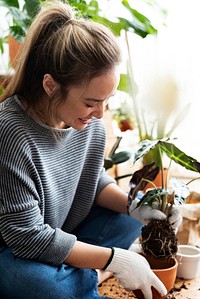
(85, 120)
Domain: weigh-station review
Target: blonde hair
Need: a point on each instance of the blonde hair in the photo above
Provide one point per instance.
(69, 48)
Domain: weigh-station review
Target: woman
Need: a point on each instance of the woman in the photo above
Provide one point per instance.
(62, 216)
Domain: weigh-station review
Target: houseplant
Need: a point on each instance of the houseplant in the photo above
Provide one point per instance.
(116, 157)
(158, 239)
(21, 13)
(19, 17)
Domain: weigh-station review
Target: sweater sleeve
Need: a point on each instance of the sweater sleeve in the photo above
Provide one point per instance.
(104, 180)
(22, 223)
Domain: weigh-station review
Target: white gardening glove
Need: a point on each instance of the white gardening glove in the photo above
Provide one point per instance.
(175, 218)
(144, 213)
(136, 247)
(133, 272)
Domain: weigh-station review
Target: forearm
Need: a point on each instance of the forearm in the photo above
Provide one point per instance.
(88, 256)
(114, 198)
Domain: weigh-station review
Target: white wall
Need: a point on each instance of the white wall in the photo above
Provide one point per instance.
(176, 52)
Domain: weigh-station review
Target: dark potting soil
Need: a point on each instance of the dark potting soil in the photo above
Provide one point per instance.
(159, 239)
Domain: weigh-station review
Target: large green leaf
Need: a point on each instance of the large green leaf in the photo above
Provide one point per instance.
(152, 196)
(140, 23)
(9, 3)
(121, 157)
(170, 150)
(179, 156)
(32, 7)
(17, 32)
(145, 147)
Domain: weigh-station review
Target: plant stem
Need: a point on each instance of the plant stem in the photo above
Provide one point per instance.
(192, 180)
(133, 86)
(164, 198)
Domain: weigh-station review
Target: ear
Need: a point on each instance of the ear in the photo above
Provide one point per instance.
(49, 84)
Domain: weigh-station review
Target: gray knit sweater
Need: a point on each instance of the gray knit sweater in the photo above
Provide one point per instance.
(47, 187)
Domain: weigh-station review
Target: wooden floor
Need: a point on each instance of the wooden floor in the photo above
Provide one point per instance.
(183, 289)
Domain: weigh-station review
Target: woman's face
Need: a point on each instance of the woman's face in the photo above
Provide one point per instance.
(82, 104)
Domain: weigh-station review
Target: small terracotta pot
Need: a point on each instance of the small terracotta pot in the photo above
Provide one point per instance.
(165, 270)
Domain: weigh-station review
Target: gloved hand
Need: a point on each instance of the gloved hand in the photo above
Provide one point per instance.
(144, 213)
(133, 272)
(175, 218)
(136, 247)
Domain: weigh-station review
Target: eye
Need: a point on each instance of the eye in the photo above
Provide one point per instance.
(89, 106)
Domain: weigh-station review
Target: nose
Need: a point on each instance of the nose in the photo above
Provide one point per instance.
(99, 110)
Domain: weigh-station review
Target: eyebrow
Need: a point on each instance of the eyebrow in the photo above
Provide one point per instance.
(98, 100)
(94, 100)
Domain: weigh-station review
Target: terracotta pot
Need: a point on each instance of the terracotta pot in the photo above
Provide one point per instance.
(158, 180)
(165, 270)
(14, 47)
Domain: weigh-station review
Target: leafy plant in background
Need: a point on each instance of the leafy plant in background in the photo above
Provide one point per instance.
(157, 237)
(20, 17)
(115, 158)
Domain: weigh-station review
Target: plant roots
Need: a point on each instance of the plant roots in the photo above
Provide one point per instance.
(158, 239)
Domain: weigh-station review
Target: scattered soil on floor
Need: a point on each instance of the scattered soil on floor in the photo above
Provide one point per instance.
(111, 289)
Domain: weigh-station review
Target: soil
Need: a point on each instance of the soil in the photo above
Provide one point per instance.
(158, 239)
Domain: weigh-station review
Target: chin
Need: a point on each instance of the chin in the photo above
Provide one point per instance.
(79, 128)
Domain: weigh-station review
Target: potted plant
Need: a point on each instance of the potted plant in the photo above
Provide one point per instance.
(158, 239)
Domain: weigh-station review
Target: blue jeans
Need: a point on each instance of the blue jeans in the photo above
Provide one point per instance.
(22, 279)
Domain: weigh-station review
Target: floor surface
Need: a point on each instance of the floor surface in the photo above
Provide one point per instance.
(183, 289)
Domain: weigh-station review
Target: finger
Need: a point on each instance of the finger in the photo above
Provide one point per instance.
(159, 286)
(174, 215)
(149, 213)
(176, 224)
(135, 247)
(175, 218)
(147, 293)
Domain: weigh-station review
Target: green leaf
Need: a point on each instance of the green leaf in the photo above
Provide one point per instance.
(152, 196)
(1, 45)
(108, 163)
(140, 23)
(170, 150)
(179, 156)
(121, 157)
(181, 191)
(18, 33)
(145, 147)
(116, 27)
(124, 83)
(32, 7)
(9, 3)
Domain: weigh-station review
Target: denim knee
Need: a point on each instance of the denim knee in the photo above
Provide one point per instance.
(107, 228)
(22, 279)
